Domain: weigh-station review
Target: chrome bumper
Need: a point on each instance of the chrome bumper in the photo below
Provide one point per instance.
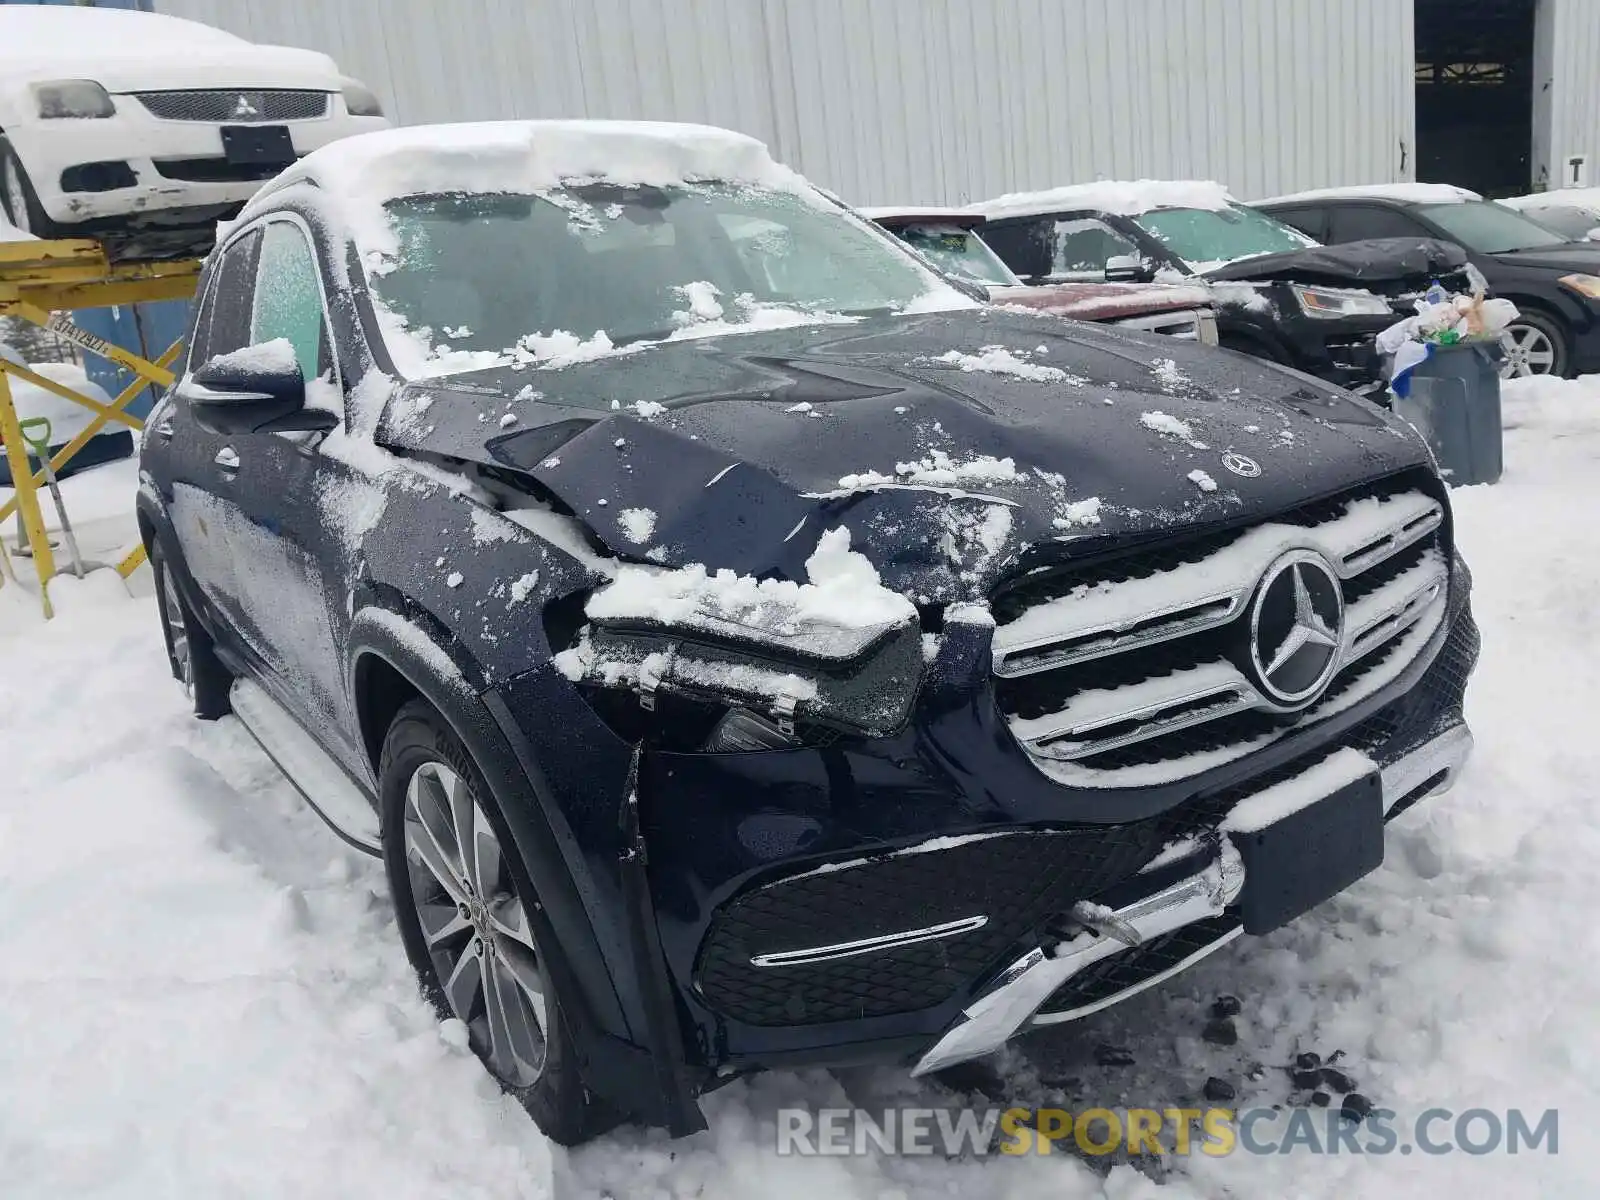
(1021, 989)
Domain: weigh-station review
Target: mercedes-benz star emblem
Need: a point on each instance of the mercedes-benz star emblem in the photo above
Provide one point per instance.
(1296, 628)
(1241, 464)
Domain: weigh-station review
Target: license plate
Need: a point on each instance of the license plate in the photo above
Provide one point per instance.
(1295, 864)
(249, 145)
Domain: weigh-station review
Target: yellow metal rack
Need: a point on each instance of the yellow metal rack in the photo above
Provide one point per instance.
(42, 281)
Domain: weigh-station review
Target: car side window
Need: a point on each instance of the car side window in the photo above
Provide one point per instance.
(224, 321)
(1352, 223)
(288, 299)
(1082, 247)
(1311, 221)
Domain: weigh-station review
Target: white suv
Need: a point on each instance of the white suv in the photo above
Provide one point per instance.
(144, 130)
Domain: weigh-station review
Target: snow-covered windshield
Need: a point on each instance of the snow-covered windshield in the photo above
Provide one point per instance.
(1491, 228)
(481, 272)
(960, 252)
(1205, 238)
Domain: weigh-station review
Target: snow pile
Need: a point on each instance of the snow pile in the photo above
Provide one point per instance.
(997, 360)
(1127, 198)
(562, 349)
(842, 607)
(67, 418)
(1167, 374)
(264, 358)
(1078, 514)
(637, 524)
(1408, 193)
(1202, 480)
(1170, 426)
(938, 470)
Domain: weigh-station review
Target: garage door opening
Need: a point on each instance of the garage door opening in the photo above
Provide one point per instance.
(1475, 94)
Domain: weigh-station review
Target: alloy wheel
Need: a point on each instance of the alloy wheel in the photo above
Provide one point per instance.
(1528, 351)
(475, 924)
(15, 196)
(177, 631)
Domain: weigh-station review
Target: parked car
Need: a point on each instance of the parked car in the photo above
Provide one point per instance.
(145, 130)
(1279, 295)
(1572, 212)
(1553, 280)
(747, 652)
(952, 239)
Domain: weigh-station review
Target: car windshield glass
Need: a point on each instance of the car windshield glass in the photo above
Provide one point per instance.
(480, 272)
(1205, 238)
(960, 252)
(1573, 223)
(1491, 228)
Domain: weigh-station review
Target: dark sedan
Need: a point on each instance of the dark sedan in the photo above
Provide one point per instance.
(745, 651)
(1278, 294)
(1553, 280)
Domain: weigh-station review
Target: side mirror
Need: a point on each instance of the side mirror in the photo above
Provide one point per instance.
(1128, 268)
(258, 389)
(1593, 235)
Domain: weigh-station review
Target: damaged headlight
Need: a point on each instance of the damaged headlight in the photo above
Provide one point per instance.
(1338, 302)
(841, 650)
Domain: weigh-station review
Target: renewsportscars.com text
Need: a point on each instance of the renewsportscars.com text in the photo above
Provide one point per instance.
(1215, 1132)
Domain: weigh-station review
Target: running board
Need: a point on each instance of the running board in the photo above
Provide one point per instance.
(331, 793)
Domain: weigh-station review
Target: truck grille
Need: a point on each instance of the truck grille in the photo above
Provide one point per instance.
(235, 106)
(1135, 672)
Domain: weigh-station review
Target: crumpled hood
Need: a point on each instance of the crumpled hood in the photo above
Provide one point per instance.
(944, 475)
(1104, 301)
(1354, 264)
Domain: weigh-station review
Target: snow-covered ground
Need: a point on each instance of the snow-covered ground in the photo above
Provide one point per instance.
(202, 994)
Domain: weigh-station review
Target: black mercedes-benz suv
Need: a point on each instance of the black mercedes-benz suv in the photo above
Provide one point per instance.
(747, 652)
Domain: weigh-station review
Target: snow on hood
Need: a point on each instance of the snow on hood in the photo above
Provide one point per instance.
(1127, 198)
(124, 49)
(1409, 193)
(743, 451)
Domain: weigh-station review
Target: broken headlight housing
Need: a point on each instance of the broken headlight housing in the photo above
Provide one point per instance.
(760, 684)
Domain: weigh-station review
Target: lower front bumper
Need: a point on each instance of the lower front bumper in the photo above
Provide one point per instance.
(1013, 1001)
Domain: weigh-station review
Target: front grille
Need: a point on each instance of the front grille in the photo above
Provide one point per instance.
(1019, 881)
(233, 106)
(1109, 977)
(1132, 671)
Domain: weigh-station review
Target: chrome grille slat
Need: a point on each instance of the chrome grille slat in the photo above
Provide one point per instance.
(1067, 650)
(1227, 578)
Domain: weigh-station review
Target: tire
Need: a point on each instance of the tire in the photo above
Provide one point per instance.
(1534, 344)
(18, 200)
(191, 653)
(486, 924)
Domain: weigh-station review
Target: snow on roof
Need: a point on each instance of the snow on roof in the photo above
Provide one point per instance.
(1576, 197)
(536, 156)
(1126, 198)
(1407, 193)
(360, 174)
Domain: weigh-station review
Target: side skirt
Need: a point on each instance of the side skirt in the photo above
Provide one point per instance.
(316, 775)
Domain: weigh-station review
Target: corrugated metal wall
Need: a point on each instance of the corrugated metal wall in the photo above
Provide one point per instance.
(1574, 107)
(910, 100)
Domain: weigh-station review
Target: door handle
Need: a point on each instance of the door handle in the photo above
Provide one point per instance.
(228, 459)
(164, 430)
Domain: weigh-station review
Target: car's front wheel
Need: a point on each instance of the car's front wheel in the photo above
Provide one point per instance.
(472, 926)
(17, 197)
(1534, 344)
